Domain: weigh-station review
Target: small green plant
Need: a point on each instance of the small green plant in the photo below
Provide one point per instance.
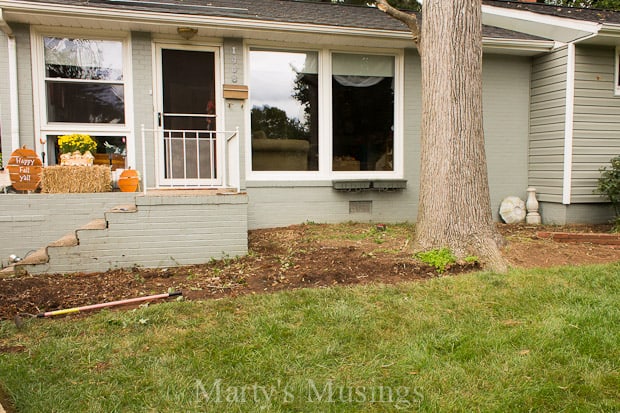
(609, 186)
(472, 259)
(438, 258)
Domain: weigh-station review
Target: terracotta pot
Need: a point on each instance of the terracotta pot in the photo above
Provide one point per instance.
(129, 180)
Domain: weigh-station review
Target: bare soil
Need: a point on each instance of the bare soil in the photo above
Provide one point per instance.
(300, 256)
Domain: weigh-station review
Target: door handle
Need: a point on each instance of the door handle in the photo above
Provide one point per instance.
(159, 119)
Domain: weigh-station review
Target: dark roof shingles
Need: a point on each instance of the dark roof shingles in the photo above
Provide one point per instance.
(577, 13)
(288, 11)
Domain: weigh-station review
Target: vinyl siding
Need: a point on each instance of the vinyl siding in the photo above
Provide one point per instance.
(547, 120)
(596, 127)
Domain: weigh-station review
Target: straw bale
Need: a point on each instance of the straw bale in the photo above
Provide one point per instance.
(76, 179)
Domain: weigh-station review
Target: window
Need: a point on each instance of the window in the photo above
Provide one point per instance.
(362, 112)
(82, 85)
(284, 115)
(351, 98)
(84, 80)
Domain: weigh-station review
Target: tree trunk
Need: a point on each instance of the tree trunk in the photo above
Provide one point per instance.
(454, 206)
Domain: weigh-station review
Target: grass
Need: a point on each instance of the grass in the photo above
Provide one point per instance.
(536, 340)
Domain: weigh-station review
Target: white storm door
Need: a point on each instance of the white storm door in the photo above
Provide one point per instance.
(189, 149)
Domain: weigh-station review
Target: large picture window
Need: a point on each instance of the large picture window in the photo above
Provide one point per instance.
(84, 80)
(353, 97)
(284, 104)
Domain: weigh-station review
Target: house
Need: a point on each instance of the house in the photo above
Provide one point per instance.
(302, 111)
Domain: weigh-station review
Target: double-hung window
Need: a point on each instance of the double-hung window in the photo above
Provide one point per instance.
(323, 114)
(83, 89)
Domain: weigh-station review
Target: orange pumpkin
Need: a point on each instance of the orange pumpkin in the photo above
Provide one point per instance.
(129, 180)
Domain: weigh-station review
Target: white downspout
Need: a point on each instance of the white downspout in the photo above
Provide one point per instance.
(568, 125)
(13, 93)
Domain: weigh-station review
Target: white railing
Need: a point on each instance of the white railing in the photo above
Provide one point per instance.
(176, 145)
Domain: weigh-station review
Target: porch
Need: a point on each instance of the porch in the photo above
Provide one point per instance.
(62, 233)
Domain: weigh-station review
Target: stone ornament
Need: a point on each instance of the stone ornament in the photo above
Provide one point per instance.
(512, 210)
(532, 217)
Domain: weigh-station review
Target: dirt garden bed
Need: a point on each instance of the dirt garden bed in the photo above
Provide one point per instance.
(295, 257)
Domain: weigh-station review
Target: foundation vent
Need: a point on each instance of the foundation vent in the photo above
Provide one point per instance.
(360, 207)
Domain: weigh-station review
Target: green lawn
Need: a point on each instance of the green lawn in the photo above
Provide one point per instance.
(539, 340)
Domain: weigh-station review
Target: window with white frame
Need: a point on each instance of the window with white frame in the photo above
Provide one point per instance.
(83, 90)
(284, 118)
(362, 112)
(358, 100)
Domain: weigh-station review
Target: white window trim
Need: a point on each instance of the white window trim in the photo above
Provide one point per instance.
(325, 121)
(44, 128)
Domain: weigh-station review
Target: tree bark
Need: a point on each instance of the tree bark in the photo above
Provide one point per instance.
(454, 203)
(454, 206)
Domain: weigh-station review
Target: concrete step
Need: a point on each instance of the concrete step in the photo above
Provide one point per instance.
(38, 257)
(94, 224)
(67, 240)
(7, 272)
(124, 208)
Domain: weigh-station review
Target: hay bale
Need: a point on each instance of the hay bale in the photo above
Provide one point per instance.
(76, 179)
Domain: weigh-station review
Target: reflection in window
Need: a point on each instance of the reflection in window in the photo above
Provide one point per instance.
(111, 150)
(284, 102)
(85, 103)
(84, 80)
(362, 112)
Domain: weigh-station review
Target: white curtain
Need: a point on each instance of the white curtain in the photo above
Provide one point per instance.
(358, 81)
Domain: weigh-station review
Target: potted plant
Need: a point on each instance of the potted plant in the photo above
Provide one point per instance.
(76, 149)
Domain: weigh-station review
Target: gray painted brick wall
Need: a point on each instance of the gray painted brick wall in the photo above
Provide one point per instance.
(5, 104)
(24, 80)
(164, 231)
(234, 111)
(29, 222)
(142, 76)
(24, 90)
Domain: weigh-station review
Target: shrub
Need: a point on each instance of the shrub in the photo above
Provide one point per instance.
(609, 186)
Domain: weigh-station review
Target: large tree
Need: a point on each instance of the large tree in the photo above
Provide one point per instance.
(454, 204)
